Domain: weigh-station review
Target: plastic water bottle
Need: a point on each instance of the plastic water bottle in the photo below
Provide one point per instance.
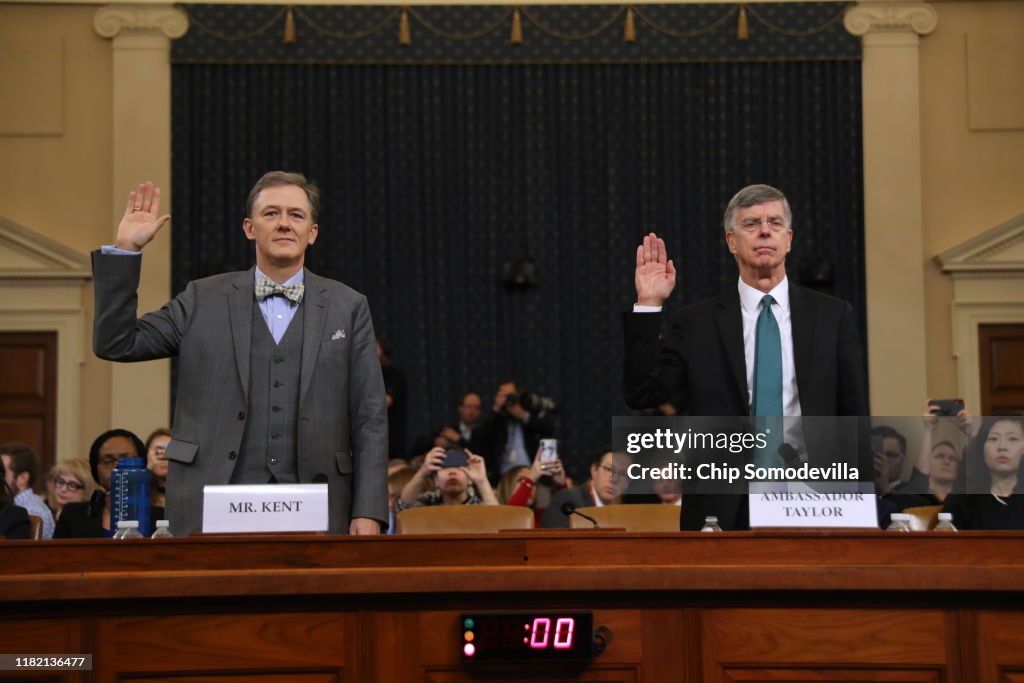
(162, 529)
(711, 524)
(129, 493)
(127, 528)
(945, 522)
(899, 522)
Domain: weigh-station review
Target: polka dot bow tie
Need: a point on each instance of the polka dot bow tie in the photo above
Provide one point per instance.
(266, 287)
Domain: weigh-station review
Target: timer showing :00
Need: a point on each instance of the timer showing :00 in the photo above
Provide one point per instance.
(500, 637)
(541, 632)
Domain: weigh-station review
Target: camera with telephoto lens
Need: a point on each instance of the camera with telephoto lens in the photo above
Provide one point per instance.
(532, 403)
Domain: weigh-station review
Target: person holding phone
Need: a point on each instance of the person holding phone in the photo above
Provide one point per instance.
(461, 478)
(535, 486)
(939, 470)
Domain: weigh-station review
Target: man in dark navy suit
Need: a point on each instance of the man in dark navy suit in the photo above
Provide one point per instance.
(708, 361)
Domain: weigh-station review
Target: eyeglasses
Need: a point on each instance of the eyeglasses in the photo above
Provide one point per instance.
(612, 472)
(69, 484)
(752, 223)
(109, 460)
(894, 455)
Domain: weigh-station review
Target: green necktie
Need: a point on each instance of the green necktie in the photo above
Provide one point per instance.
(767, 408)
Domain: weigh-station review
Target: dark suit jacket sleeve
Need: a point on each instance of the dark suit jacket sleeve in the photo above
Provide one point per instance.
(368, 421)
(654, 371)
(118, 334)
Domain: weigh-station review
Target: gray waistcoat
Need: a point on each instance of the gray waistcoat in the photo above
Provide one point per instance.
(268, 450)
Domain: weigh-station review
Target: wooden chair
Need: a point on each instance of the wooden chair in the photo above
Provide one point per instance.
(639, 517)
(464, 519)
(35, 527)
(923, 518)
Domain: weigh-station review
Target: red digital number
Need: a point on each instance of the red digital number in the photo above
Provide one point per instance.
(563, 633)
(541, 628)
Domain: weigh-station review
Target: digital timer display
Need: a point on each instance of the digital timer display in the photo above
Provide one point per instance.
(519, 636)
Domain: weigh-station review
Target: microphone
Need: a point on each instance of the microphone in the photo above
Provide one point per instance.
(789, 455)
(96, 503)
(570, 509)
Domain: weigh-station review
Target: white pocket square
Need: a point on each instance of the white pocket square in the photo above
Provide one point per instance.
(340, 334)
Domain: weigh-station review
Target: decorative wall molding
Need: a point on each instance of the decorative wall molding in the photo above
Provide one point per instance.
(27, 255)
(112, 20)
(996, 253)
(886, 15)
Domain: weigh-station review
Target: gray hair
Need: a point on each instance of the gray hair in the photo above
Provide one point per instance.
(278, 178)
(752, 195)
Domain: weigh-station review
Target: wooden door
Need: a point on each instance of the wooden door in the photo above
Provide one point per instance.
(1001, 357)
(28, 393)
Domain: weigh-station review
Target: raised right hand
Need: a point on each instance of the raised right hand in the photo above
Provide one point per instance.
(655, 276)
(141, 219)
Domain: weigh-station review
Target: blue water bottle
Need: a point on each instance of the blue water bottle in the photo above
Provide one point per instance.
(129, 494)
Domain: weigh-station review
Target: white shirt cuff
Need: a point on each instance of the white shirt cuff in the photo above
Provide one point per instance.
(111, 249)
(637, 308)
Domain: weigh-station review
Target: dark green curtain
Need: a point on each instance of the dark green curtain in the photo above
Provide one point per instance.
(435, 176)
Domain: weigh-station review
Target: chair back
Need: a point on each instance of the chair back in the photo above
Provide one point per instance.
(464, 519)
(924, 517)
(638, 517)
(35, 527)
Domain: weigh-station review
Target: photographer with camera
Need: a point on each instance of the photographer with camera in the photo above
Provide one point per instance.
(515, 427)
(460, 476)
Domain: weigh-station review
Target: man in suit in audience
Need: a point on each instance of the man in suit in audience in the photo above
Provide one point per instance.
(512, 432)
(22, 470)
(812, 359)
(607, 483)
(278, 376)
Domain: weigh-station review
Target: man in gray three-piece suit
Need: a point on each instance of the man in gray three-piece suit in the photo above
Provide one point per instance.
(278, 377)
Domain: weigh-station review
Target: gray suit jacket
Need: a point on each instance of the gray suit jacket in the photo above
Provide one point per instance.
(342, 421)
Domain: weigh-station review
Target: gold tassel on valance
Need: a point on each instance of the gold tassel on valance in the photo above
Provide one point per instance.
(517, 28)
(630, 34)
(741, 27)
(289, 27)
(404, 37)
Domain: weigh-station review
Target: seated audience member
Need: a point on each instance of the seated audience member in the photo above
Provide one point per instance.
(607, 483)
(938, 471)
(532, 486)
(889, 460)
(22, 467)
(669, 491)
(72, 483)
(469, 425)
(14, 523)
(156, 461)
(994, 474)
(396, 482)
(443, 437)
(92, 519)
(466, 485)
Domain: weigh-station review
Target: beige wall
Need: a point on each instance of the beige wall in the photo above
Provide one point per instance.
(972, 180)
(59, 185)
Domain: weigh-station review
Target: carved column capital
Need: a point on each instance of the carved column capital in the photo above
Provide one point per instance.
(890, 15)
(117, 20)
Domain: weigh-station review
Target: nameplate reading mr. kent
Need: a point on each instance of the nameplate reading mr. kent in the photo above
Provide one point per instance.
(264, 507)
